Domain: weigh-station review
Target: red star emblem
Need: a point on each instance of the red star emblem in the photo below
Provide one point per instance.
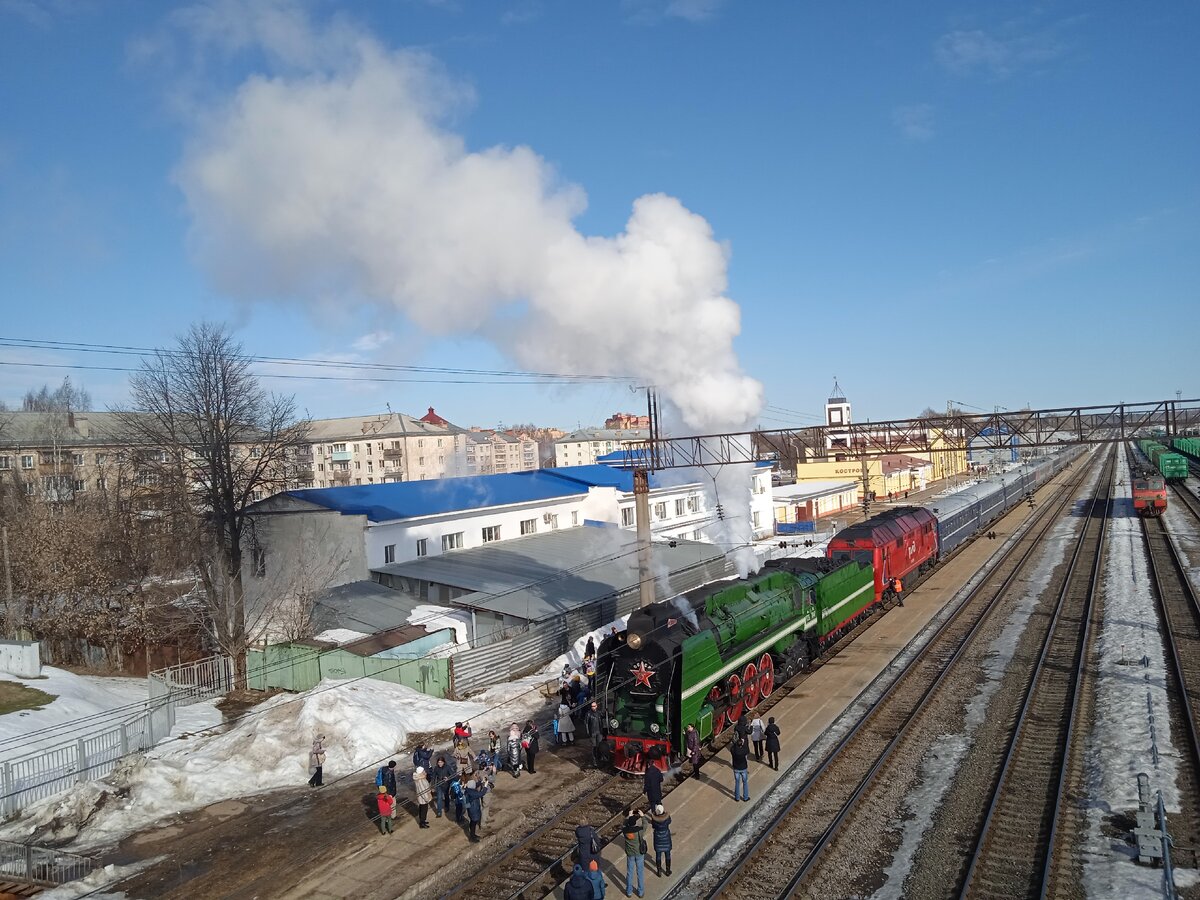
(642, 674)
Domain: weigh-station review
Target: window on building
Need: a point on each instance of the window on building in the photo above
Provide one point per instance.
(320, 467)
(29, 489)
(756, 517)
(368, 448)
(660, 510)
(256, 495)
(5, 462)
(358, 481)
(255, 452)
(697, 535)
(370, 464)
(679, 504)
(420, 461)
(574, 517)
(101, 458)
(628, 516)
(529, 526)
(439, 442)
(693, 503)
(77, 459)
(101, 484)
(338, 448)
(389, 554)
(491, 533)
(554, 521)
(420, 442)
(355, 448)
(259, 561)
(452, 541)
(441, 460)
(78, 485)
(423, 547)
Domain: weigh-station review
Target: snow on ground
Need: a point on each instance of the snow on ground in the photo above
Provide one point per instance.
(93, 885)
(941, 763)
(83, 704)
(364, 722)
(341, 636)
(1131, 715)
(435, 618)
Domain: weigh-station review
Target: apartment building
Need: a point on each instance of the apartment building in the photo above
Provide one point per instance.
(58, 455)
(584, 447)
(497, 452)
(381, 449)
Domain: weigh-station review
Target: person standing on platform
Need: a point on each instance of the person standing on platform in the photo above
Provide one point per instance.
(443, 771)
(652, 783)
(772, 739)
(660, 822)
(590, 649)
(596, 877)
(594, 722)
(692, 742)
(473, 797)
(386, 804)
(386, 777)
(587, 844)
(566, 725)
(635, 852)
(757, 731)
(424, 796)
(740, 751)
(529, 740)
(422, 757)
(578, 887)
(742, 728)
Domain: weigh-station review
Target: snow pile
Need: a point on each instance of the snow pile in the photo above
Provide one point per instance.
(435, 618)
(340, 636)
(84, 704)
(363, 721)
(93, 885)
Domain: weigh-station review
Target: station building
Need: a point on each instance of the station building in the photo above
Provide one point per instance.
(812, 500)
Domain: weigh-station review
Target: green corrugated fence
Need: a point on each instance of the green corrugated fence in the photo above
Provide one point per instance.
(297, 667)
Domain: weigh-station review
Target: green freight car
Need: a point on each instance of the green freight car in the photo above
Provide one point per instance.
(710, 654)
(1172, 466)
(1189, 446)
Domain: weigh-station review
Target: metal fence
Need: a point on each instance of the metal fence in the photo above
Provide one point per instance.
(36, 776)
(42, 865)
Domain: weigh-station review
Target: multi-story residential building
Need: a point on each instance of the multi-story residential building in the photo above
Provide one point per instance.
(497, 452)
(385, 448)
(59, 455)
(626, 420)
(583, 447)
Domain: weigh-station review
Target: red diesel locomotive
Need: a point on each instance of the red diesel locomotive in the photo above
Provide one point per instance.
(1149, 493)
(898, 542)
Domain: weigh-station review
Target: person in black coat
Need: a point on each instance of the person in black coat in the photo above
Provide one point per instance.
(652, 784)
(587, 844)
(590, 649)
(772, 734)
(594, 720)
(740, 751)
(529, 739)
(742, 728)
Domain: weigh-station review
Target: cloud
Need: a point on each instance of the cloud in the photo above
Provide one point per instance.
(915, 121)
(372, 341)
(44, 13)
(650, 11)
(333, 173)
(1000, 52)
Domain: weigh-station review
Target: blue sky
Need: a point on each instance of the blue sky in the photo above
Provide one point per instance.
(934, 201)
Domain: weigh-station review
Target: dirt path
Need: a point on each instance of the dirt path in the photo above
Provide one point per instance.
(321, 843)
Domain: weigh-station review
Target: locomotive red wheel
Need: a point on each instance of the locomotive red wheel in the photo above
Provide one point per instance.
(734, 687)
(717, 699)
(750, 681)
(766, 676)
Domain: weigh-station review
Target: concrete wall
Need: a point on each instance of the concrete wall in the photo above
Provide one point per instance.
(21, 658)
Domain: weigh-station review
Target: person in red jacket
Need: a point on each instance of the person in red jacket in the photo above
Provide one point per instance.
(387, 806)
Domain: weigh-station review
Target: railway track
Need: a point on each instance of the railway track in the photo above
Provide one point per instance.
(1017, 851)
(1179, 610)
(789, 847)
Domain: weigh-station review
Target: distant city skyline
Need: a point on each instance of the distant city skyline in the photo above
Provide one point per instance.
(955, 202)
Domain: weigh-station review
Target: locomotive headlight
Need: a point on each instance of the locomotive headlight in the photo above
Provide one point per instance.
(614, 723)
(634, 640)
(654, 728)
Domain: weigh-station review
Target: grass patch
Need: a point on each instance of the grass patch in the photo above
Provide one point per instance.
(14, 697)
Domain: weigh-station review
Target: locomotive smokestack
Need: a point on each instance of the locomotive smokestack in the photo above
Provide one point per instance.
(641, 503)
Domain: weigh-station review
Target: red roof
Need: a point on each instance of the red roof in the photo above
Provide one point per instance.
(432, 418)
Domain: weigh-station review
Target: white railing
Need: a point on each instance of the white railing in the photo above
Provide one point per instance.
(36, 776)
(41, 865)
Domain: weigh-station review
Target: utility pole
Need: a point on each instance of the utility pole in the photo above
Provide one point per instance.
(866, 489)
(641, 505)
(10, 626)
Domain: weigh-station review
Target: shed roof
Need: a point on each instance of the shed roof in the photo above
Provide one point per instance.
(545, 575)
(366, 606)
(803, 490)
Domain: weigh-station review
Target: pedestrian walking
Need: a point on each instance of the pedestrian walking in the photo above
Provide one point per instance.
(692, 742)
(473, 796)
(741, 768)
(590, 650)
(660, 823)
(424, 795)
(386, 804)
(772, 735)
(758, 731)
(566, 725)
(578, 887)
(514, 750)
(386, 777)
(529, 740)
(596, 877)
(635, 852)
(443, 772)
(316, 761)
(594, 721)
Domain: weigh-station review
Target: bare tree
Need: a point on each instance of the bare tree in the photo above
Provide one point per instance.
(65, 398)
(292, 610)
(209, 441)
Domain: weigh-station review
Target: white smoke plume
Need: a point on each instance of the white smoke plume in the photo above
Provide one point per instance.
(334, 174)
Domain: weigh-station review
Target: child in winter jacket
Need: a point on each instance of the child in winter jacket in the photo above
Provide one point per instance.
(387, 808)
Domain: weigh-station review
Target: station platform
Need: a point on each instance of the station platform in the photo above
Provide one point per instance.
(703, 810)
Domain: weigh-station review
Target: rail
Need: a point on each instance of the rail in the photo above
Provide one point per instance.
(42, 866)
(1045, 679)
(1041, 524)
